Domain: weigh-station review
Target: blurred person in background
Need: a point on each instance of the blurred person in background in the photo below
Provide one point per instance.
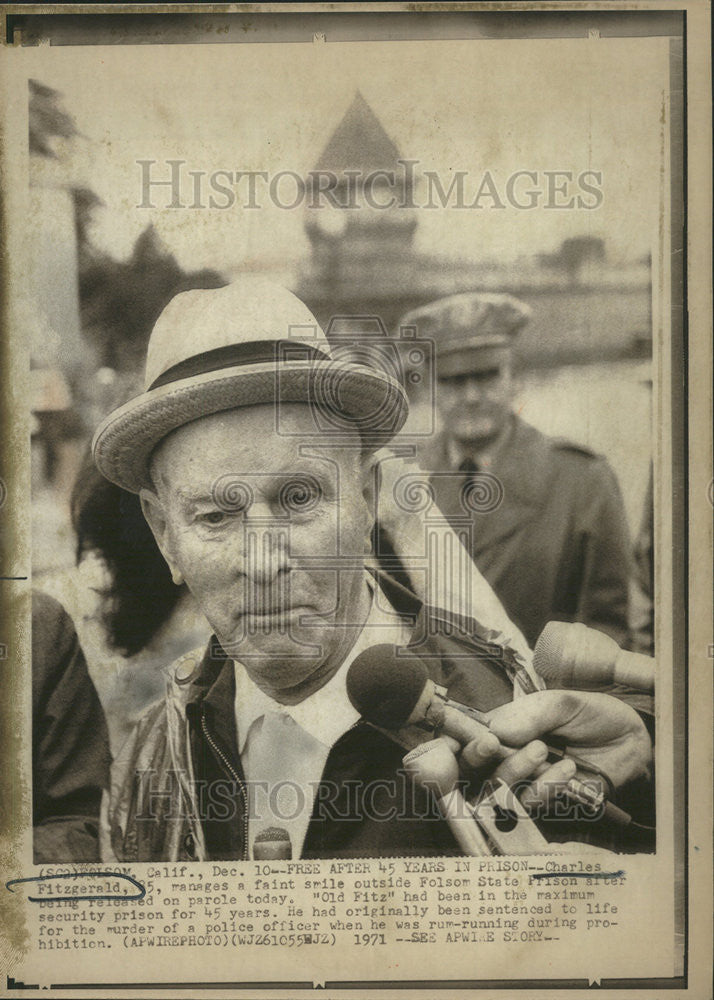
(70, 747)
(549, 529)
(130, 618)
(135, 620)
(642, 592)
(58, 435)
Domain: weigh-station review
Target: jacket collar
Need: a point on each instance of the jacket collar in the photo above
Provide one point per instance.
(523, 470)
(211, 690)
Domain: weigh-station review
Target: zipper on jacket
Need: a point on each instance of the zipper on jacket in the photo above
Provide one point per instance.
(231, 771)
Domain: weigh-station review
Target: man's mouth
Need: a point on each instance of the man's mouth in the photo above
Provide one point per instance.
(262, 612)
(476, 417)
(292, 612)
(282, 621)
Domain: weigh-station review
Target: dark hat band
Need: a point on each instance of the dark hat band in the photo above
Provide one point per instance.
(237, 355)
(487, 341)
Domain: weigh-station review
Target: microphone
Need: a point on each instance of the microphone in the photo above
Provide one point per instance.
(571, 655)
(393, 692)
(272, 844)
(433, 766)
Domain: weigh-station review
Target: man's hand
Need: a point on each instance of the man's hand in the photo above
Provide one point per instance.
(596, 727)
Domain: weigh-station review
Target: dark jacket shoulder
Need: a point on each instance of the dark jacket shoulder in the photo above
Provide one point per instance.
(70, 744)
(573, 447)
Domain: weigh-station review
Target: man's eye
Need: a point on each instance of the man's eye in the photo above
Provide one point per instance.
(299, 495)
(454, 381)
(213, 517)
(231, 494)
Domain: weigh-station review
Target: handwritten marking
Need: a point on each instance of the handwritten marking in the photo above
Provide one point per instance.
(537, 875)
(84, 875)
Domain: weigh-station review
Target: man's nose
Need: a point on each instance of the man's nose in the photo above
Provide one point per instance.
(266, 550)
(472, 390)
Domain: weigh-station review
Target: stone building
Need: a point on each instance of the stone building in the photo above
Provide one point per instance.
(363, 260)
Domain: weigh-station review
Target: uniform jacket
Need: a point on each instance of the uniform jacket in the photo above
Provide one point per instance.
(557, 546)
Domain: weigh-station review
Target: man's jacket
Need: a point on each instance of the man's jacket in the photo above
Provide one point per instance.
(177, 789)
(70, 745)
(556, 546)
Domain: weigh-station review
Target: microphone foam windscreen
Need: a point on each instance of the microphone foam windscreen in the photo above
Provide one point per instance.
(384, 687)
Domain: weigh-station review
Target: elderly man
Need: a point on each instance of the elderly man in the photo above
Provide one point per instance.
(251, 449)
(549, 526)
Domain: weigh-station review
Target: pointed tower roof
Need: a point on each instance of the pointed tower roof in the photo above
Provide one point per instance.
(359, 143)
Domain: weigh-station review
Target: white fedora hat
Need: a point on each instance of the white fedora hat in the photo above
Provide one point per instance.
(250, 342)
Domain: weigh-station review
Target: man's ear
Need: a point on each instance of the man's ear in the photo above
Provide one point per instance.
(155, 515)
(369, 468)
(512, 379)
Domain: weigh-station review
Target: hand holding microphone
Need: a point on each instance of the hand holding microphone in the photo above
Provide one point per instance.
(433, 766)
(394, 691)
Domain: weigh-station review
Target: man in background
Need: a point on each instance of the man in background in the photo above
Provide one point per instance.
(70, 746)
(547, 526)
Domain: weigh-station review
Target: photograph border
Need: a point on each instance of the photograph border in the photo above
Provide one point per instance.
(41, 21)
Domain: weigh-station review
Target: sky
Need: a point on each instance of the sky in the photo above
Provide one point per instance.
(475, 106)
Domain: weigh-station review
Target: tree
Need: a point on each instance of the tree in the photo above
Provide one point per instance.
(47, 120)
(574, 254)
(120, 301)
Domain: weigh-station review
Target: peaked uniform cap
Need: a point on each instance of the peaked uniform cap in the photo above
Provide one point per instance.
(249, 343)
(469, 320)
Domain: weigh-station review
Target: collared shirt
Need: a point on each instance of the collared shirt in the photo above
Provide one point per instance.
(482, 460)
(284, 748)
